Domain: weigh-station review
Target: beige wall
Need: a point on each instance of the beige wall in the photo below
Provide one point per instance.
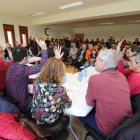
(35, 31)
(129, 32)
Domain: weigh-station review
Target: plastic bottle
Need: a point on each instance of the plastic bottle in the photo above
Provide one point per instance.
(80, 76)
(7, 59)
(95, 67)
(65, 78)
(85, 72)
(4, 59)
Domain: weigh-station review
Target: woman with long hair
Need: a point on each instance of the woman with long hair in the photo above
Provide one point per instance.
(50, 97)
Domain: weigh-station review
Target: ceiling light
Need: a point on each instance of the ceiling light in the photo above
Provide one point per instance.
(82, 25)
(106, 23)
(135, 21)
(40, 13)
(71, 5)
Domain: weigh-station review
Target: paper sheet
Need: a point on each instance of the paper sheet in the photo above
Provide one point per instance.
(70, 89)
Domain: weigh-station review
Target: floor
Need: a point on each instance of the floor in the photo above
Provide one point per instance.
(77, 126)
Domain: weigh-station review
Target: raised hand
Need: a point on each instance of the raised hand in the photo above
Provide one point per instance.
(23, 44)
(122, 54)
(57, 52)
(42, 44)
(119, 45)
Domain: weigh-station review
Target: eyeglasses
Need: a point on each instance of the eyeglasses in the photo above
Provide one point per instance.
(1, 51)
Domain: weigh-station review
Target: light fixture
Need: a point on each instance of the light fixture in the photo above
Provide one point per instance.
(135, 21)
(82, 25)
(40, 13)
(106, 23)
(71, 5)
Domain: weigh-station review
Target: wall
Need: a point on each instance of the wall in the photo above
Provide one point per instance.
(35, 31)
(129, 32)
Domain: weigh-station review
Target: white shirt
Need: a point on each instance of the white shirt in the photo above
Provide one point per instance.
(10, 53)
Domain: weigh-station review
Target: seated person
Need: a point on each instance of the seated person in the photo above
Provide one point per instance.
(136, 42)
(64, 51)
(8, 51)
(80, 57)
(51, 51)
(17, 76)
(72, 53)
(109, 93)
(50, 97)
(92, 59)
(4, 65)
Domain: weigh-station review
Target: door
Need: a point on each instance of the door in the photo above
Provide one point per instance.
(9, 34)
(23, 31)
(77, 36)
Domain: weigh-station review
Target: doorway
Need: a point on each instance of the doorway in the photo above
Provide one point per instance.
(77, 36)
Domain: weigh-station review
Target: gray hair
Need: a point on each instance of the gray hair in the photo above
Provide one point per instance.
(111, 57)
(7, 44)
(137, 57)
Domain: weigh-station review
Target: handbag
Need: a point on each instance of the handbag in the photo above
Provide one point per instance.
(37, 130)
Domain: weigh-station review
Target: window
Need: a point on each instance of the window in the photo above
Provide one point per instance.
(9, 34)
(23, 31)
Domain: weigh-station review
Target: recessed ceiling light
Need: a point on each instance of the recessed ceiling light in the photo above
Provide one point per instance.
(107, 23)
(82, 25)
(135, 21)
(40, 13)
(71, 5)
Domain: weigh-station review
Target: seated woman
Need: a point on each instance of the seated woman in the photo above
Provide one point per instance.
(50, 97)
(72, 53)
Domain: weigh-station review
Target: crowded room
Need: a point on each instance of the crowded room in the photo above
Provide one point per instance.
(70, 70)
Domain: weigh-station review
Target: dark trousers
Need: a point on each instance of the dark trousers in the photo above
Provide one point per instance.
(79, 64)
(90, 120)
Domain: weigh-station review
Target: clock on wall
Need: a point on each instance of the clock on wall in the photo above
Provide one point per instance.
(47, 31)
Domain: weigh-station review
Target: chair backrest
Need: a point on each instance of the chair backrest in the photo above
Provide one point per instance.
(135, 103)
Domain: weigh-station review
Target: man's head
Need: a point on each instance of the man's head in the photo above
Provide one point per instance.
(34, 39)
(97, 39)
(107, 58)
(74, 45)
(93, 51)
(90, 46)
(8, 46)
(84, 46)
(62, 44)
(47, 38)
(98, 44)
(67, 38)
(1, 52)
(132, 50)
(86, 39)
(20, 55)
(50, 45)
(134, 62)
(136, 40)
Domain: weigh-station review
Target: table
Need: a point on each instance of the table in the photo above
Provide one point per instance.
(79, 106)
(34, 59)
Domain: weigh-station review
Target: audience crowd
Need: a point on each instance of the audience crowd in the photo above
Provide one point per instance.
(110, 92)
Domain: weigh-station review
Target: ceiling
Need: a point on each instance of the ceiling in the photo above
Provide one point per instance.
(24, 8)
(121, 20)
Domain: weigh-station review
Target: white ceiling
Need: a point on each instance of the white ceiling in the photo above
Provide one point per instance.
(24, 8)
(122, 20)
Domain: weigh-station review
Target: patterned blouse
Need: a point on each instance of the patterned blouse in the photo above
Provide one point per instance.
(49, 100)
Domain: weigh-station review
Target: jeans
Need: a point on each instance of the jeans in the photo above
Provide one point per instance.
(28, 107)
(89, 63)
(90, 120)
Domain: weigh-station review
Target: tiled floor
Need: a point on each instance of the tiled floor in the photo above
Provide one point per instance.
(76, 124)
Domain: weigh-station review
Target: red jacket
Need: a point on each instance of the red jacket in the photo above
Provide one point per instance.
(4, 65)
(11, 129)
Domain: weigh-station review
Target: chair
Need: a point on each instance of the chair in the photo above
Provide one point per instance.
(135, 103)
(129, 128)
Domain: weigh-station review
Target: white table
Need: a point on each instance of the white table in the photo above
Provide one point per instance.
(34, 59)
(79, 106)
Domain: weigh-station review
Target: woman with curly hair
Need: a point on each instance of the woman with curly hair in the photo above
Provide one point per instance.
(50, 97)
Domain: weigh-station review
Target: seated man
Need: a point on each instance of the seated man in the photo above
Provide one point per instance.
(109, 93)
(8, 51)
(90, 60)
(80, 57)
(17, 76)
(3, 71)
(64, 51)
(51, 51)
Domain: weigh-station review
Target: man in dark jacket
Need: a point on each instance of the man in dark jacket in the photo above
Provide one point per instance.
(8, 51)
(80, 57)
(64, 51)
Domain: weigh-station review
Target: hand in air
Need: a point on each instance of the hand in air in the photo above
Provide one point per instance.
(42, 44)
(57, 52)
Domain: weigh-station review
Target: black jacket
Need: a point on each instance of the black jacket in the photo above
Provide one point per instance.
(79, 53)
(6, 53)
(65, 55)
(128, 130)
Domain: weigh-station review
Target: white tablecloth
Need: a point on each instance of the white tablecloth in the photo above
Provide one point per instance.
(34, 59)
(79, 106)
